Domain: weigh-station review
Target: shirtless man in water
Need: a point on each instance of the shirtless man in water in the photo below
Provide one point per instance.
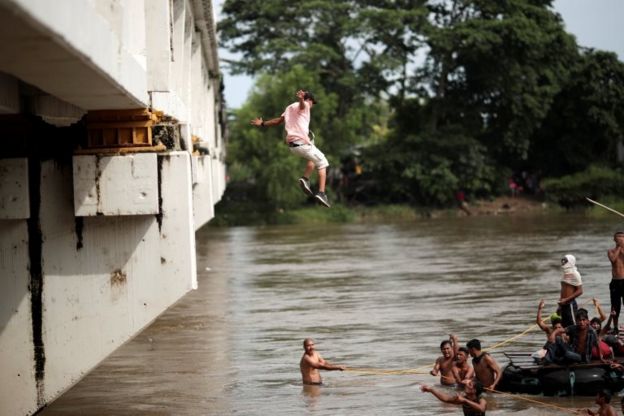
(486, 369)
(603, 400)
(311, 362)
(470, 400)
(444, 364)
(616, 287)
(462, 371)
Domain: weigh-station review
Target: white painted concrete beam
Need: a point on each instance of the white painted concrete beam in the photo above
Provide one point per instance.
(52, 48)
(158, 44)
(116, 185)
(18, 394)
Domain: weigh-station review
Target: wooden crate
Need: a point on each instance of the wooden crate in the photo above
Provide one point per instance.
(120, 128)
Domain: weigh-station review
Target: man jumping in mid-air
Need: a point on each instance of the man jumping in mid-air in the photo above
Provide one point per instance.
(297, 121)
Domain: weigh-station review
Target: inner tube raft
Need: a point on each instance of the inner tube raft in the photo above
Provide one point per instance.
(523, 375)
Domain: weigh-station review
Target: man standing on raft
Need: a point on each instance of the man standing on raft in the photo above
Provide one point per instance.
(571, 288)
(616, 287)
(297, 121)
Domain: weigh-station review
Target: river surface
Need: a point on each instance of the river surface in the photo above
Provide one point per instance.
(379, 296)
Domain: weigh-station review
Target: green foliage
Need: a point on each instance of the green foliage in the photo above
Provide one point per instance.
(595, 182)
(233, 214)
(503, 88)
(429, 169)
(355, 49)
(353, 45)
(615, 203)
(492, 70)
(259, 156)
(586, 122)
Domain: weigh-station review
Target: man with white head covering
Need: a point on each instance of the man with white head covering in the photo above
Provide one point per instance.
(571, 288)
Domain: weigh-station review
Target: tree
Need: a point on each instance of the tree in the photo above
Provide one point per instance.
(488, 82)
(259, 157)
(492, 70)
(585, 124)
(358, 50)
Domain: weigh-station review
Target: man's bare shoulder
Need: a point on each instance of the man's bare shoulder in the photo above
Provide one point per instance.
(489, 358)
(309, 359)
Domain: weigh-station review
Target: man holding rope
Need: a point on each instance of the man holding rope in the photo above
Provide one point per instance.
(444, 364)
(603, 400)
(311, 362)
(486, 369)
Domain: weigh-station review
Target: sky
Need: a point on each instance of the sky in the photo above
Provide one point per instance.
(595, 23)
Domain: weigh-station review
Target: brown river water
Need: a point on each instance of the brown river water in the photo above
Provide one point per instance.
(378, 296)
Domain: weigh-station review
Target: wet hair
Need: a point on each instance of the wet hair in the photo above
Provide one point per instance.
(474, 343)
(605, 394)
(463, 349)
(309, 96)
(596, 321)
(618, 233)
(555, 321)
(443, 343)
(581, 314)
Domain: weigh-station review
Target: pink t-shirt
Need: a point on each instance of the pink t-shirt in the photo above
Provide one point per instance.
(297, 122)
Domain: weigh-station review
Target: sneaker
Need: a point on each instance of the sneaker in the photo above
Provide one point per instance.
(322, 199)
(304, 183)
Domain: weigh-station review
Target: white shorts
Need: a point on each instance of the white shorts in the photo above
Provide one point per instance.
(312, 153)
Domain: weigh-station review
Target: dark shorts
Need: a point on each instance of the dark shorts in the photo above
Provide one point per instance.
(568, 312)
(616, 291)
(320, 383)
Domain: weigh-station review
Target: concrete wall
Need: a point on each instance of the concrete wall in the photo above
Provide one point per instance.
(18, 370)
(114, 54)
(128, 270)
(104, 278)
(94, 247)
(203, 198)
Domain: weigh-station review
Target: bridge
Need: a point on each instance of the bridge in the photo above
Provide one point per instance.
(112, 156)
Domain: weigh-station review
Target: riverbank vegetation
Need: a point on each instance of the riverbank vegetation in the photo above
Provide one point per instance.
(420, 105)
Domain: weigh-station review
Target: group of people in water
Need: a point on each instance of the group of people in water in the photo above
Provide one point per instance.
(571, 338)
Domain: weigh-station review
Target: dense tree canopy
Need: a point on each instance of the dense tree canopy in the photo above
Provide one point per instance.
(357, 49)
(437, 95)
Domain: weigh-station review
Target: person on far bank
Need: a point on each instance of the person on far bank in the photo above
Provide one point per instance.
(296, 119)
(571, 288)
(311, 362)
(616, 287)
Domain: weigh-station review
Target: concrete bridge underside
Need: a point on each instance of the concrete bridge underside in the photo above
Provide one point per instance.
(96, 242)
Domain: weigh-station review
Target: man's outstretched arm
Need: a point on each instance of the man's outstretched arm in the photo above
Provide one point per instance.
(321, 364)
(259, 122)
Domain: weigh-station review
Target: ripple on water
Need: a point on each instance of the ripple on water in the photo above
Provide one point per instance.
(372, 296)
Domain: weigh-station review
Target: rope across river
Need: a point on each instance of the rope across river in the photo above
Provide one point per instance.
(423, 370)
